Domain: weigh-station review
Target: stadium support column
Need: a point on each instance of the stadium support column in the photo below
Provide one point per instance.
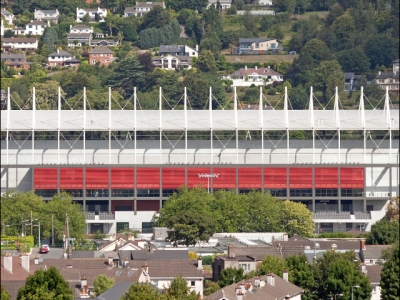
(33, 123)
(109, 125)
(388, 122)
(134, 121)
(186, 141)
(362, 112)
(260, 108)
(160, 111)
(58, 138)
(236, 126)
(8, 127)
(311, 109)
(84, 125)
(285, 109)
(337, 120)
(211, 125)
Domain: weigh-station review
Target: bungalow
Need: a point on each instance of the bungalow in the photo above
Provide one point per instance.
(170, 62)
(62, 58)
(20, 43)
(100, 12)
(106, 43)
(102, 55)
(9, 17)
(257, 76)
(48, 15)
(223, 4)
(141, 8)
(17, 61)
(178, 50)
(258, 46)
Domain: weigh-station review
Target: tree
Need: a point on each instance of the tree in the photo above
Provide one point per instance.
(392, 210)
(157, 18)
(343, 27)
(179, 289)
(328, 76)
(86, 18)
(47, 94)
(335, 11)
(297, 219)
(373, 92)
(390, 288)
(18, 6)
(128, 74)
(229, 276)
(49, 38)
(298, 97)
(188, 214)
(9, 34)
(353, 60)
(384, 232)
(45, 285)
(301, 274)
(4, 294)
(381, 50)
(102, 283)
(141, 291)
(211, 42)
(313, 53)
(272, 263)
(146, 62)
(206, 62)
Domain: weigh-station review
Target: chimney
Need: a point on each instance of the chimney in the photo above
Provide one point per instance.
(70, 26)
(256, 67)
(379, 72)
(238, 290)
(48, 23)
(271, 279)
(242, 286)
(25, 261)
(126, 262)
(58, 50)
(245, 67)
(285, 237)
(145, 267)
(151, 248)
(231, 251)
(8, 262)
(285, 275)
(239, 295)
(363, 268)
(287, 297)
(83, 281)
(131, 237)
(268, 67)
(362, 245)
(36, 260)
(110, 260)
(199, 264)
(197, 48)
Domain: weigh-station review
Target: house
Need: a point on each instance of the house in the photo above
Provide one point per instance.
(62, 58)
(263, 2)
(102, 55)
(104, 43)
(178, 50)
(20, 43)
(268, 286)
(9, 17)
(80, 28)
(1, 27)
(390, 80)
(350, 81)
(258, 46)
(32, 28)
(223, 4)
(374, 275)
(257, 76)
(81, 12)
(79, 39)
(18, 61)
(141, 8)
(48, 15)
(170, 62)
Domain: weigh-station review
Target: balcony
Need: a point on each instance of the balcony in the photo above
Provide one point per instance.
(101, 216)
(329, 215)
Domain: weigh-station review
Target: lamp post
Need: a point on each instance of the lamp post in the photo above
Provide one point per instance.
(213, 175)
(39, 232)
(354, 286)
(338, 295)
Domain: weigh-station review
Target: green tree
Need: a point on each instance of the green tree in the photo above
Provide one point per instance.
(313, 53)
(4, 294)
(212, 43)
(86, 18)
(206, 62)
(297, 218)
(343, 27)
(298, 97)
(381, 50)
(229, 276)
(384, 232)
(157, 17)
(9, 33)
(47, 94)
(274, 264)
(49, 39)
(102, 283)
(179, 289)
(45, 285)
(390, 288)
(128, 74)
(210, 287)
(335, 11)
(329, 75)
(141, 291)
(301, 274)
(353, 60)
(373, 92)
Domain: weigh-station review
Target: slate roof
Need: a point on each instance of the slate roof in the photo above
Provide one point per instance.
(5, 12)
(387, 75)
(258, 71)
(61, 53)
(348, 75)
(12, 287)
(149, 4)
(129, 9)
(156, 255)
(82, 254)
(48, 11)
(19, 40)
(79, 35)
(280, 289)
(374, 251)
(101, 50)
(12, 56)
(81, 26)
(396, 61)
(374, 274)
(115, 292)
(36, 22)
(254, 40)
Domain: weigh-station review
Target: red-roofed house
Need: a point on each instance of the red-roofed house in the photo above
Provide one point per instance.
(257, 76)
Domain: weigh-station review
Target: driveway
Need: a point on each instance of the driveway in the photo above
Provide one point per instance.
(55, 253)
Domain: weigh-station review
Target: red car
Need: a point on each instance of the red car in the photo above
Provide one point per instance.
(44, 249)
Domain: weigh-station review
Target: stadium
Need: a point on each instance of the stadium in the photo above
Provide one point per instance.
(122, 165)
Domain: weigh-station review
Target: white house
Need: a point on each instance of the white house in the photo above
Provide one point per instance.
(61, 58)
(33, 28)
(20, 43)
(224, 4)
(2, 28)
(170, 62)
(141, 8)
(9, 17)
(48, 15)
(81, 12)
(180, 50)
(257, 76)
(80, 28)
(264, 2)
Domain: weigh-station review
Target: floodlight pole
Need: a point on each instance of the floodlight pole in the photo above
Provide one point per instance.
(185, 111)
(285, 109)
(58, 125)
(211, 125)
(109, 125)
(311, 109)
(134, 121)
(8, 125)
(160, 116)
(33, 123)
(84, 125)
(260, 108)
(337, 120)
(236, 126)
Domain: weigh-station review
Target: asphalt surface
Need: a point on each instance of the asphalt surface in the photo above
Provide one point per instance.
(55, 253)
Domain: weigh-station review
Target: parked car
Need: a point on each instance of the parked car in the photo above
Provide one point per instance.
(292, 53)
(44, 249)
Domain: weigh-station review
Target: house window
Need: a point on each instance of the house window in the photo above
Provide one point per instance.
(192, 283)
(257, 45)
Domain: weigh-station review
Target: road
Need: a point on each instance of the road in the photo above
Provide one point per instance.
(55, 253)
